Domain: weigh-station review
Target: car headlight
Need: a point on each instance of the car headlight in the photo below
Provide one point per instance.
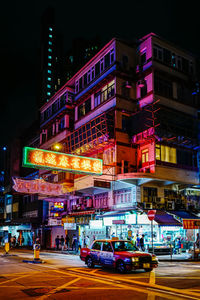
(135, 259)
(154, 258)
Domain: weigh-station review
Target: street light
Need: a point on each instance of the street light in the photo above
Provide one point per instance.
(57, 147)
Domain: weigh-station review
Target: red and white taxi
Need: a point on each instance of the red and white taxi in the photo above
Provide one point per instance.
(120, 254)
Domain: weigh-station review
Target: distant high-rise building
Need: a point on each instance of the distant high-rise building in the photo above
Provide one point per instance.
(82, 50)
(51, 48)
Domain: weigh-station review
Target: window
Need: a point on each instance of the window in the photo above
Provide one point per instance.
(97, 99)
(107, 60)
(107, 247)
(97, 69)
(122, 196)
(112, 56)
(158, 52)
(50, 50)
(50, 36)
(145, 155)
(92, 73)
(102, 65)
(96, 246)
(163, 87)
(49, 64)
(125, 123)
(166, 154)
(49, 78)
(88, 76)
(49, 71)
(158, 155)
(49, 57)
(48, 86)
(166, 56)
(50, 29)
(143, 58)
(50, 43)
(84, 108)
(48, 94)
(62, 124)
(143, 90)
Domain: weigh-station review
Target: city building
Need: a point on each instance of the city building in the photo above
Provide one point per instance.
(135, 106)
(50, 77)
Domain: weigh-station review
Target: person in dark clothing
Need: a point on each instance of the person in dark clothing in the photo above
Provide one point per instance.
(67, 241)
(142, 243)
(57, 241)
(74, 243)
(62, 242)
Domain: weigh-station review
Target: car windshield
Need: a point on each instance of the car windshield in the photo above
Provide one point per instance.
(124, 246)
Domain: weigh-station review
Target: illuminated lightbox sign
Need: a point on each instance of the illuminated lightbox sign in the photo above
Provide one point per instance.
(69, 226)
(45, 159)
(38, 186)
(58, 206)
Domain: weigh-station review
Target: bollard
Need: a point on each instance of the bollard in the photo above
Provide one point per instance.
(7, 247)
(36, 248)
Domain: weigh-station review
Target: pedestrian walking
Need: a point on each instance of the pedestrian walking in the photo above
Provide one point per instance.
(67, 242)
(142, 242)
(62, 242)
(57, 241)
(87, 241)
(74, 242)
(137, 240)
(197, 241)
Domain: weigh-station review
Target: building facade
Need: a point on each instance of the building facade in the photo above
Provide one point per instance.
(135, 106)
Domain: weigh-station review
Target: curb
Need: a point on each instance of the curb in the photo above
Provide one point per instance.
(33, 261)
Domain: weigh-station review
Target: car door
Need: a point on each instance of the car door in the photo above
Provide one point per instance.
(95, 251)
(106, 255)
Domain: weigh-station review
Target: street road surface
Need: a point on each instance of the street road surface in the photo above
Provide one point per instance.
(65, 276)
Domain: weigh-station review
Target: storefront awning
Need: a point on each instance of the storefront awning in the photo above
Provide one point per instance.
(164, 219)
(114, 213)
(190, 221)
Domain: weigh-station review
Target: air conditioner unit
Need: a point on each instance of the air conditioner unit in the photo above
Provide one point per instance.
(141, 83)
(148, 205)
(170, 205)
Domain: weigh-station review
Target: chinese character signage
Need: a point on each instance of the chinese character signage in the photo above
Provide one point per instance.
(38, 186)
(45, 159)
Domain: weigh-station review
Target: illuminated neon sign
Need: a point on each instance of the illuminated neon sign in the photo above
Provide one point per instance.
(58, 206)
(38, 186)
(45, 159)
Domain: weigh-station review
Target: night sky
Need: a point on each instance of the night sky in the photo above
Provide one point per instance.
(20, 40)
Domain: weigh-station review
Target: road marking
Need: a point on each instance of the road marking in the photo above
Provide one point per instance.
(14, 279)
(151, 296)
(163, 289)
(152, 277)
(58, 288)
(93, 271)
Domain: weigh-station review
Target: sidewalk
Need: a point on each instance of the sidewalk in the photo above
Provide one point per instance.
(176, 257)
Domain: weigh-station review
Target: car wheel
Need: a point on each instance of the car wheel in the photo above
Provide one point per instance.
(148, 270)
(90, 263)
(121, 267)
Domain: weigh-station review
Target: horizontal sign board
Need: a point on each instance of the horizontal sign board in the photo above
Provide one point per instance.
(45, 159)
(38, 186)
(69, 226)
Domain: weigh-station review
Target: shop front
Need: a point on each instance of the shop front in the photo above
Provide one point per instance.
(23, 235)
(129, 225)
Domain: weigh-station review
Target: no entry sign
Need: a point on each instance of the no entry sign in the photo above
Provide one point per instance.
(151, 215)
